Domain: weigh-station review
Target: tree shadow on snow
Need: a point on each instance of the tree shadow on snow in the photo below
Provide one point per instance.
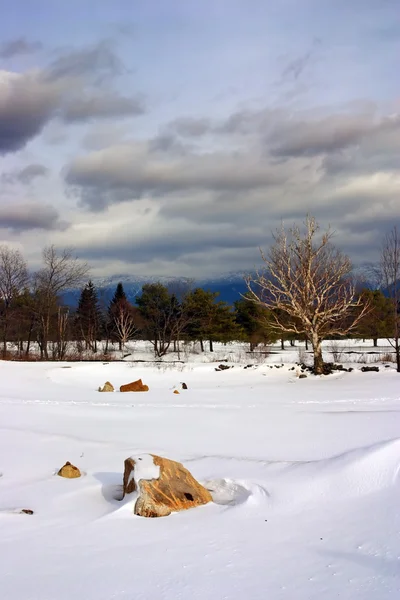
(111, 486)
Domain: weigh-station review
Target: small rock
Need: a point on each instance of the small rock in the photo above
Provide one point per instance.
(369, 369)
(69, 471)
(184, 386)
(26, 511)
(134, 386)
(223, 367)
(176, 391)
(107, 387)
(302, 376)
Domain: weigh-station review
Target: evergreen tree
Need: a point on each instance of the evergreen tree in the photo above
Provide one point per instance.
(88, 316)
(114, 308)
(254, 321)
(379, 321)
(161, 313)
(208, 319)
(119, 295)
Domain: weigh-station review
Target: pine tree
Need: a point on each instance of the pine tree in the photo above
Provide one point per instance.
(379, 321)
(208, 319)
(119, 295)
(161, 314)
(254, 320)
(88, 316)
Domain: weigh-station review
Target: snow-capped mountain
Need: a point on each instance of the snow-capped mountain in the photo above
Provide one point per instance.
(230, 286)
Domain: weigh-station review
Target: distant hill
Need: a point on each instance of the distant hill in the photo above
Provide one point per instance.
(229, 286)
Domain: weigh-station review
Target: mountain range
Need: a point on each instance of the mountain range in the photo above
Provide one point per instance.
(229, 286)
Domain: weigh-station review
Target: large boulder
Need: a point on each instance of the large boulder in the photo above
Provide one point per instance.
(69, 471)
(107, 387)
(162, 486)
(135, 386)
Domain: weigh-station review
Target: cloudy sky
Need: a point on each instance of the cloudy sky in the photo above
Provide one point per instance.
(170, 137)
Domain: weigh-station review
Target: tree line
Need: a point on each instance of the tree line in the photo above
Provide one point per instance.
(305, 291)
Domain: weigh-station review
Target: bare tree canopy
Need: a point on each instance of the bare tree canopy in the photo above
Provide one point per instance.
(390, 268)
(13, 281)
(13, 273)
(307, 285)
(61, 270)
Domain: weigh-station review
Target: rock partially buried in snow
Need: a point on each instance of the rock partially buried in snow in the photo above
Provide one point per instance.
(134, 386)
(69, 471)
(176, 391)
(107, 387)
(163, 486)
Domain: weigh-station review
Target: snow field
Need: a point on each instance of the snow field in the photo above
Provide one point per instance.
(304, 476)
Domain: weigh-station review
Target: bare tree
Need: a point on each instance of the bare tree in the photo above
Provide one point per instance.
(60, 345)
(307, 286)
(390, 267)
(13, 281)
(123, 321)
(60, 272)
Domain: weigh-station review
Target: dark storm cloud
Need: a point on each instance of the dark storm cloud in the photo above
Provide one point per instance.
(99, 60)
(102, 106)
(25, 217)
(25, 175)
(170, 247)
(130, 172)
(75, 87)
(26, 105)
(319, 136)
(19, 46)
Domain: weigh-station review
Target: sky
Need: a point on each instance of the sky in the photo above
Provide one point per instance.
(172, 137)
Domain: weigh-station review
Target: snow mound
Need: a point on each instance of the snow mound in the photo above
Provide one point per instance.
(353, 474)
(295, 486)
(365, 470)
(230, 492)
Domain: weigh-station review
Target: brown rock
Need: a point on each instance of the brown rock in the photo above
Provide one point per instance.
(26, 511)
(69, 471)
(107, 387)
(135, 386)
(171, 489)
(184, 386)
(176, 391)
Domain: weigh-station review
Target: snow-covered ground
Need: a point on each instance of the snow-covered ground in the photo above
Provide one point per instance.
(305, 475)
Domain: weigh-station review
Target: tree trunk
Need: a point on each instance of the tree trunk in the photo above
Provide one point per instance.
(282, 344)
(28, 342)
(375, 342)
(397, 347)
(292, 343)
(211, 346)
(306, 343)
(202, 345)
(317, 350)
